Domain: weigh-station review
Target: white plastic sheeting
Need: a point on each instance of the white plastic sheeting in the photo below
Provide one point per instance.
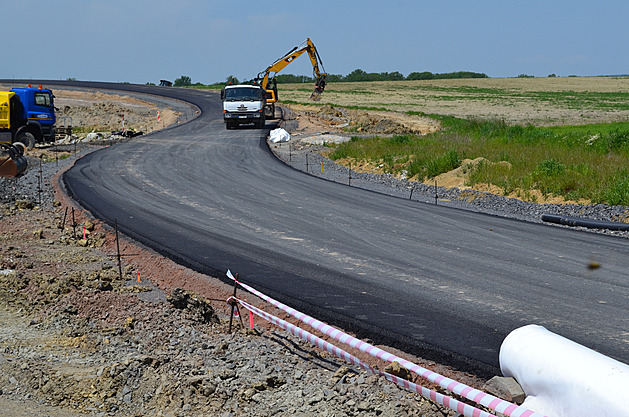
(562, 378)
(279, 135)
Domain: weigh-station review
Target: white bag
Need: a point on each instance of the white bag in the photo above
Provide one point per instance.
(279, 135)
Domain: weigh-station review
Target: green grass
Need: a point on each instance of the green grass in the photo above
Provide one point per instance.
(588, 162)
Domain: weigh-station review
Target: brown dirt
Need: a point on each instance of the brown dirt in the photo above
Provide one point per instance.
(318, 119)
(98, 112)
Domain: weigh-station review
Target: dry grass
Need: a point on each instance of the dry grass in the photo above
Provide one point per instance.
(537, 101)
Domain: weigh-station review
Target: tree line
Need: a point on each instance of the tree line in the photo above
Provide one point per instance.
(355, 76)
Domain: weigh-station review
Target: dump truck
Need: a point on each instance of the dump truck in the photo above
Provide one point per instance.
(27, 115)
(243, 104)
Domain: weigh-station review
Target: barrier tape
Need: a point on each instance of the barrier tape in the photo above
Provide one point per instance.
(458, 406)
(473, 394)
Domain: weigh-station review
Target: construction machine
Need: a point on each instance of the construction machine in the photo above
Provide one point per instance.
(12, 159)
(27, 115)
(268, 82)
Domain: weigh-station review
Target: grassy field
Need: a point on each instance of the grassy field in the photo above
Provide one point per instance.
(565, 137)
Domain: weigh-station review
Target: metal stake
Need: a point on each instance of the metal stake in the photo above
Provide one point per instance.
(118, 248)
(73, 224)
(63, 224)
(436, 195)
(231, 317)
(39, 182)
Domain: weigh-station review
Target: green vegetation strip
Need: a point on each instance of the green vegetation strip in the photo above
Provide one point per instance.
(589, 162)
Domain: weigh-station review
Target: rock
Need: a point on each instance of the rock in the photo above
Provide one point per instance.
(274, 381)
(197, 305)
(506, 388)
(398, 370)
(24, 205)
(89, 225)
(92, 137)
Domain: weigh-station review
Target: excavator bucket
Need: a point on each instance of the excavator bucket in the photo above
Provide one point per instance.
(319, 87)
(12, 160)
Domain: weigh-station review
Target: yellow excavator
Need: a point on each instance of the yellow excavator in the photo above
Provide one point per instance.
(268, 82)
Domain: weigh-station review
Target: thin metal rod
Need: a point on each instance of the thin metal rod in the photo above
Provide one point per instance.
(118, 249)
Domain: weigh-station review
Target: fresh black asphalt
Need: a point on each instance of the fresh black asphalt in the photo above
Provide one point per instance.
(435, 281)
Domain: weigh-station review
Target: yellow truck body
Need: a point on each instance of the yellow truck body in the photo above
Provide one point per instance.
(5, 107)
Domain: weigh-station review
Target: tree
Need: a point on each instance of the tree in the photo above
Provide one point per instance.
(231, 80)
(356, 75)
(183, 81)
(420, 76)
(395, 76)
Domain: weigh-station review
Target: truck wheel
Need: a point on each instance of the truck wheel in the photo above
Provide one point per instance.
(27, 139)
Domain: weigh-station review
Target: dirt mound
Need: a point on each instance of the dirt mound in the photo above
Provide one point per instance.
(105, 112)
(338, 119)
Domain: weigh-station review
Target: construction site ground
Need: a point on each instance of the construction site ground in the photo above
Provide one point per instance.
(76, 339)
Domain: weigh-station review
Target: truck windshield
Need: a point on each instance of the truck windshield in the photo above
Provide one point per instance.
(43, 99)
(236, 94)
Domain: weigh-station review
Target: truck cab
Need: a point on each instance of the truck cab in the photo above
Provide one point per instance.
(27, 115)
(243, 104)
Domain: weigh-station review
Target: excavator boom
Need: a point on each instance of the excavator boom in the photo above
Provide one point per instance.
(281, 63)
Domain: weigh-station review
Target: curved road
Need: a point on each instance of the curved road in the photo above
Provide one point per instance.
(435, 281)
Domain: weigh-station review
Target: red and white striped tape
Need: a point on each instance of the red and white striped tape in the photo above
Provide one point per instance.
(465, 409)
(473, 394)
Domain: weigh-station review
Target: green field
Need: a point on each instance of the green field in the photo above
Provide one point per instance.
(565, 137)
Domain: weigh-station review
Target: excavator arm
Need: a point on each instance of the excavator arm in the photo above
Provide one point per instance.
(281, 63)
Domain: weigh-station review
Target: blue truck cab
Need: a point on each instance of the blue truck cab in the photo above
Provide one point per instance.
(29, 116)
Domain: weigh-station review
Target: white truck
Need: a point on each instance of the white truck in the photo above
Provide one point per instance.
(243, 104)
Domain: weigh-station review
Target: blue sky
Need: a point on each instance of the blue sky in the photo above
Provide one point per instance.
(140, 40)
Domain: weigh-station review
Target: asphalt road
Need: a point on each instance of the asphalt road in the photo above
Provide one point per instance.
(444, 283)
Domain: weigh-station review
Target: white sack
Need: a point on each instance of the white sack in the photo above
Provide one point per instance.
(279, 135)
(562, 378)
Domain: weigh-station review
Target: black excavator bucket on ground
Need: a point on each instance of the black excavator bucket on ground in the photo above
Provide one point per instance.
(12, 160)
(319, 87)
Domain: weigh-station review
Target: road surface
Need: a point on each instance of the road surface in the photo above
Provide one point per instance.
(435, 281)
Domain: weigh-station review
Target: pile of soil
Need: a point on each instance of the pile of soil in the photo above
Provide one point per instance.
(327, 118)
(100, 112)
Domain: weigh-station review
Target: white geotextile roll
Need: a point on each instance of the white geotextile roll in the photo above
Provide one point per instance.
(562, 378)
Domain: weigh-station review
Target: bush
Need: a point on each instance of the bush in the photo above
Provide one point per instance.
(183, 81)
